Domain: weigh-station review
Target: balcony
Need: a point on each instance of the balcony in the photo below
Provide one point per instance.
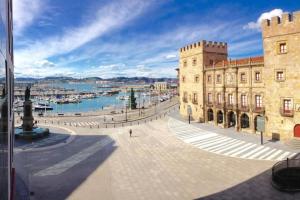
(230, 106)
(257, 109)
(286, 113)
(219, 105)
(184, 100)
(244, 108)
(195, 101)
(209, 103)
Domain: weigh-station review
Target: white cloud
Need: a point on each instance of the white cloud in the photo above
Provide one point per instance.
(25, 12)
(170, 56)
(107, 18)
(263, 16)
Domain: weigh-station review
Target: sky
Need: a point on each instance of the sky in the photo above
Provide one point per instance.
(113, 38)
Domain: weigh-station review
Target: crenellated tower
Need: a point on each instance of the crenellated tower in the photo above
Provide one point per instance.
(281, 41)
(193, 59)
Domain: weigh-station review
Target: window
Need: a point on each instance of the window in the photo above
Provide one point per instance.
(218, 78)
(183, 79)
(258, 101)
(195, 98)
(243, 77)
(282, 47)
(196, 79)
(257, 76)
(185, 96)
(211, 62)
(287, 105)
(184, 63)
(279, 76)
(219, 98)
(209, 98)
(194, 61)
(244, 100)
(209, 78)
(230, 99)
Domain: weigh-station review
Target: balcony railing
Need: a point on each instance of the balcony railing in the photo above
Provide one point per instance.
(184, 100)
(195, 102)
(209, 103)
(219, 105)
(231, 106)
(258, 109)
(286, 113)
(244, 108)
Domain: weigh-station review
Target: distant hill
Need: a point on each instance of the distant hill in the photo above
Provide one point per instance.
(87, 79)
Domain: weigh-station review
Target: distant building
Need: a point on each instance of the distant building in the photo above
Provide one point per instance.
(161, 86)
(233, 93)
(6, 100)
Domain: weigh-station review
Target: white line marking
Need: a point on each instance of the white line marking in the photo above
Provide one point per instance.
(252, 152)
(267, 154)
(73, 160)
(198, 138)
(235, 144)
(259, 153)
(273, 155)
(243, 150)
(283, 156)
(222, 145)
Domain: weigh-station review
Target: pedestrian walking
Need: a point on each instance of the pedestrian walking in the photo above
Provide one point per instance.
(130, 132)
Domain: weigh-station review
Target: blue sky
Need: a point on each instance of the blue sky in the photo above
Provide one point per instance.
(110, 38)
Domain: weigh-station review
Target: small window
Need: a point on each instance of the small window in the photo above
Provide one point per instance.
(209, 98)
(209, 78)
(195, 98)
(219, 98)
(257, 76)
(184, 63)
(183, 79)
(282, 47)
(258, 101)
(230, 99)
(196, 79)
(194, 61)
(287, 105)
(219, 78)
(243, 77)
(279, 76)
(244, 100)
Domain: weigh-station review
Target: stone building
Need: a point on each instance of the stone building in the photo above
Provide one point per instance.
(161, 86)
(232, 93)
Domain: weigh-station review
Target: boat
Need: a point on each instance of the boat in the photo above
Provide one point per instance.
(62, 101)
(42, 106)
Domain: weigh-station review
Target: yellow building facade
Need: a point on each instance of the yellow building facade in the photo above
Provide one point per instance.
(233, 93)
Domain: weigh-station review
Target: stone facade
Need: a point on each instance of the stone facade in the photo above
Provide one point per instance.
(160, 86)
(232, 93)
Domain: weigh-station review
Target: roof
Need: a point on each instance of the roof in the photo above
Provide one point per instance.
(239, 62)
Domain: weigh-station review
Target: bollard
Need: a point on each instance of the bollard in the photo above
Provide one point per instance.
(114, 125)
(105, 125)
(145, 121)
(90, 126)
(138, 123)
(98, 126)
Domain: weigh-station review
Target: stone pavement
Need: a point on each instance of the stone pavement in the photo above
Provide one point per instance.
(225, 145)
(153, 164)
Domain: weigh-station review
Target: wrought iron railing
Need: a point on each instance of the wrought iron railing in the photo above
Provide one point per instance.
(286, 175)
(286, 113)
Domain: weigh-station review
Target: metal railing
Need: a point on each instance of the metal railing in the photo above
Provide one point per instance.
(286, 113)
(258, 109)
(286, 175)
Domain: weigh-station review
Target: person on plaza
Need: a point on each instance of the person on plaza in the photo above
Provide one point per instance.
(130, 132)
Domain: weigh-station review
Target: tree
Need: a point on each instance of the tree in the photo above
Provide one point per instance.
(132, 100)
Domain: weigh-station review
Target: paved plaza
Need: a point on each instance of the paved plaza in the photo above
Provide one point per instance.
(152, 164)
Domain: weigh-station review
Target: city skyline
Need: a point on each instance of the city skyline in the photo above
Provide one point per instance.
(118, 38)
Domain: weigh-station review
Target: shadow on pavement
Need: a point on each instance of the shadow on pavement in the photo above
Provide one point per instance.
(256, 188)
(84, 150)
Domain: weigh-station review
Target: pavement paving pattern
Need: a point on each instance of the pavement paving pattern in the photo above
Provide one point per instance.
(224, 145)
(152, 164)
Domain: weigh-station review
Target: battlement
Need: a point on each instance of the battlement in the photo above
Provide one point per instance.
(286, 24)
(203, 45)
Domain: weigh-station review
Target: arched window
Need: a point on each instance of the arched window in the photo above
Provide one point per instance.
(244, 121)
